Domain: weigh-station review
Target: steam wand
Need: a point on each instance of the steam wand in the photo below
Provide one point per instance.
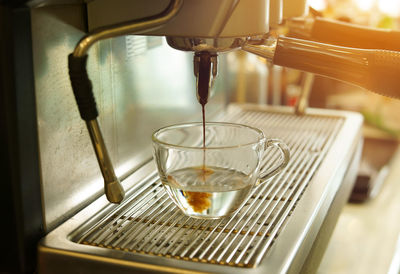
(82, 88)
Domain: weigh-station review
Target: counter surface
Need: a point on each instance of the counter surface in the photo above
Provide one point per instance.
(367, 236)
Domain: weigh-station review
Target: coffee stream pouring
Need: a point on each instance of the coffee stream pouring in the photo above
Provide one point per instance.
(210, 27)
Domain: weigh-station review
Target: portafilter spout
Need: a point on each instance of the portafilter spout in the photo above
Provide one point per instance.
(205, 59)
(205, 70)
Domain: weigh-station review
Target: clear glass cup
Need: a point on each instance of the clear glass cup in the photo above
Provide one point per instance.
(214, 181)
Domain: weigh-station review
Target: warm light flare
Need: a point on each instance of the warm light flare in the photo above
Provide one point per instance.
(365, 5)
(319, 5)
(390, 7)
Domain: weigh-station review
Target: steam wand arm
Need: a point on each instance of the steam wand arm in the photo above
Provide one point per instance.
(375, 70)
(82, 88)
(343, 34)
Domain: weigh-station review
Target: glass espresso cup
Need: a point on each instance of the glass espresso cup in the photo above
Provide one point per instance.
(213, 181)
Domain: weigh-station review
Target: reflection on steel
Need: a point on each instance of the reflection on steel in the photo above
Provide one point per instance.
(214, 45)
(112, 187)
(306, 87)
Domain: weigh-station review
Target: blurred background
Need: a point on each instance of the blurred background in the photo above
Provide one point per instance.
(282, 86)
(380, 112)
(366, 238)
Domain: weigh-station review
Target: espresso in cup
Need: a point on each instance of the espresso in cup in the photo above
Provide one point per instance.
(219, 186)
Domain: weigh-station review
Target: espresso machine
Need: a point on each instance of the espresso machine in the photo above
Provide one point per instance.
(128, 81)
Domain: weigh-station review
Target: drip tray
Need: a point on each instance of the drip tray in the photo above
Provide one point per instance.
(274, 230)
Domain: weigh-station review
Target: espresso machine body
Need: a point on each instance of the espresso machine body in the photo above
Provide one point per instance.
(140, 84)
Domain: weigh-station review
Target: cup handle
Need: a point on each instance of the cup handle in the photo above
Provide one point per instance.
(285, 152)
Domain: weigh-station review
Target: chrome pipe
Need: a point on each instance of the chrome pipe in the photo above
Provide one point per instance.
(112, 186)
(144, 25)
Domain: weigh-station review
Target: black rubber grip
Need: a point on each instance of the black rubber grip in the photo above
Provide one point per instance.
(82, 87)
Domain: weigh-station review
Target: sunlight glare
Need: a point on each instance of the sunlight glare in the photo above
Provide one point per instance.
(365, 5)
(390, 7)
(319, 5)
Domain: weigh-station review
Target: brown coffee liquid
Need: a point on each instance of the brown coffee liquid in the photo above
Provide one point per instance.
(199, 200)
(203, 85)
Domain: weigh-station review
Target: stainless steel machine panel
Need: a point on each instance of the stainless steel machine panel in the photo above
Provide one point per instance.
(140, 84)
(272, 233)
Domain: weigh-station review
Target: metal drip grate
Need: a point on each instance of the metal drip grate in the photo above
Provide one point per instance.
(149, 223)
